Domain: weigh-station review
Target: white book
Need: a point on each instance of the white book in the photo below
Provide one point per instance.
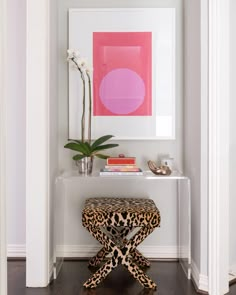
(120, 166)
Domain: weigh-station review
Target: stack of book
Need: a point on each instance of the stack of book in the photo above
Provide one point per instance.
(121, 166)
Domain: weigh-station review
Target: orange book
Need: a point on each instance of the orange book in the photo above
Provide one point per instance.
(121, 161)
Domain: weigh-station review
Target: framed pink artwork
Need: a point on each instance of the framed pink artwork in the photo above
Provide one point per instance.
(132, 52)
(122, 78)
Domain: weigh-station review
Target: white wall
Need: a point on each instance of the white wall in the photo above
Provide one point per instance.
(232, 201)
(195, 133)
(53, 120)
(192, 115)
(143, 150)
(16, 92)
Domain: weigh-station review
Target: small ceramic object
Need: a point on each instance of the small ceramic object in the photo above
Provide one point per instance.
(167, 161)
(161, 170)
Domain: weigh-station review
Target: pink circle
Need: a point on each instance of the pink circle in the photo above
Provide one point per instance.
(122, 91)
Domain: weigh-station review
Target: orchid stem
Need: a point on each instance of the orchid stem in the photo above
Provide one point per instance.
(83, 113)
(83, 109)
(90, 109)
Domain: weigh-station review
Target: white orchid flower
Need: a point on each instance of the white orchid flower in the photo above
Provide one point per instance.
(73, 53)
(75, 59)
(70, 53)
(72, 62)
(89, 69)
(82, 64)
(76, 53)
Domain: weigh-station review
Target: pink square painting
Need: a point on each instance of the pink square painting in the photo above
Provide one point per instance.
(122, 73)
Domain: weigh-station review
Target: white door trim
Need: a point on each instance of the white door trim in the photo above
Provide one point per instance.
(218, 146)
(204, 26)
(37, 187)
(3, 252)
(37, 143)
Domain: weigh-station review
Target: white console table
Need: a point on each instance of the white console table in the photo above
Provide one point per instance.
(103, 185)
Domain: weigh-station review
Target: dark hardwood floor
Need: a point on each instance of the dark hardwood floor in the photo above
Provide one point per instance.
(168, 275)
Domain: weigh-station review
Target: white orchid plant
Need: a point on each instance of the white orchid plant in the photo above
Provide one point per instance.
(86, 148)
(81, 64)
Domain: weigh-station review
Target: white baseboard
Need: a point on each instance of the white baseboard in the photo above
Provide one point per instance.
(57, 267)
(82, 251)
(51, 270)
(16, 250)
(201, 281)
(232, 273)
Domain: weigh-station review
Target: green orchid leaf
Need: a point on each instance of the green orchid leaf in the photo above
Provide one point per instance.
(105, 147)
(101, 156)
(88, 147)
(75, 140)
(78, 157)
(101, 140)
(78, 147)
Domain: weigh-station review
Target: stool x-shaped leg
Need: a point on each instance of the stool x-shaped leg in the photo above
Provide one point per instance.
(120, 255)
(118, 236)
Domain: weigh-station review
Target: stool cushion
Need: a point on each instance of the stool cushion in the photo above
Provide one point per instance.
(133, 212)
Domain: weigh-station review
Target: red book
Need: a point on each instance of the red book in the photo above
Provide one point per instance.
(121, 161)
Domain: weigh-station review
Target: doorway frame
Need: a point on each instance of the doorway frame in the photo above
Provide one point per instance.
(3, 243)
(218, 149)
(218, 107)
(37, 143)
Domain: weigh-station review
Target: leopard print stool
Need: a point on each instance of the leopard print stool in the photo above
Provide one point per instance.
(110, 220)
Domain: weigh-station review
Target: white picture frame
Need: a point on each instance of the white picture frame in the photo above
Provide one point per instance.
(161, 22)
